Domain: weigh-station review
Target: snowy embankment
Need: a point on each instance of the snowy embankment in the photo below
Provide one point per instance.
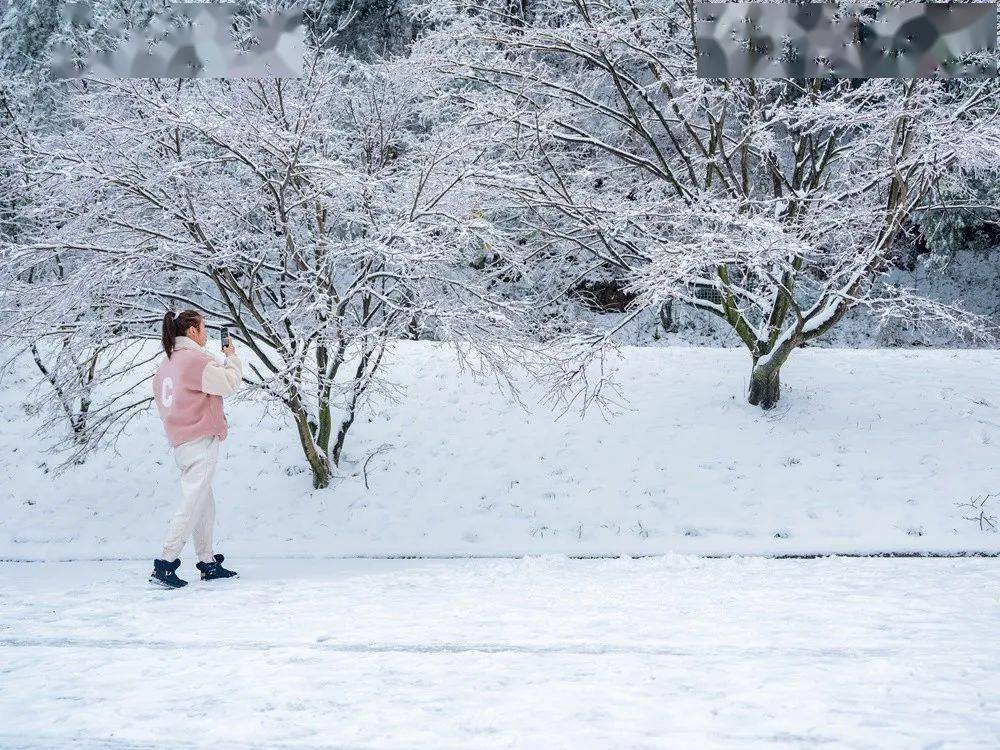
(869, 451)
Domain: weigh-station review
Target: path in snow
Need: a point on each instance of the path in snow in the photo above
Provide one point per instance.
(537, 653)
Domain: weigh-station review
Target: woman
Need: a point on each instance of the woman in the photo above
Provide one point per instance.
(188, 388)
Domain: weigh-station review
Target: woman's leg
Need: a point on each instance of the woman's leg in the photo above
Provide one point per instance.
(203, 530)
(197, 461)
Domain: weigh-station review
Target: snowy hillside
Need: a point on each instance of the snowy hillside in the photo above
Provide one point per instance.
(869, 451)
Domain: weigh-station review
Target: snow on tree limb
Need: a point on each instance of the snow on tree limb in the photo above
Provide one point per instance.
(775, 205)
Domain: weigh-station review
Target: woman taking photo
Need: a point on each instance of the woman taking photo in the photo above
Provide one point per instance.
(188, 387)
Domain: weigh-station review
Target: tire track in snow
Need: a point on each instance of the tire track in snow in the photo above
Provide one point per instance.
(575, 649)
(35, 742)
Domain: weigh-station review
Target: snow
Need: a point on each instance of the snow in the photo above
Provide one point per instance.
(550, 652)
(870, 450)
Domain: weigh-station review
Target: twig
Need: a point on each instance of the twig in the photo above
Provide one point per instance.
(364, 467)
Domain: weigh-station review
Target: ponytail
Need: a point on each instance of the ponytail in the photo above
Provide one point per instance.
(169, 333)
(177, 325)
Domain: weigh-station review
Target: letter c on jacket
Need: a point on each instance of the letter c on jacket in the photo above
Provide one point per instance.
(167, 394)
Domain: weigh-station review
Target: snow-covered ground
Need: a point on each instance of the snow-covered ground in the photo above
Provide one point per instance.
(671, 652)
(870, 450)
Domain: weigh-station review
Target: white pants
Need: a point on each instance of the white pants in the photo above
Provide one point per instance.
(196, 515)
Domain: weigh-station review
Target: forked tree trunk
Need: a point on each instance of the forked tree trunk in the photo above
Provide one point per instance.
(315, 453)
(765, 377)
(765, 387)
(318, 463)
(315, 438)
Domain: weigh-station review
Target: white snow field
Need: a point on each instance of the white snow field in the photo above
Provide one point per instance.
(869, 450)
(669, 652)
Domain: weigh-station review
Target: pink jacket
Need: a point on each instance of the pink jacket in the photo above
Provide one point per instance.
(188, 388)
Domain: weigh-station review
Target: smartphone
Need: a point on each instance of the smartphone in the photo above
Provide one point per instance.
(224, 331)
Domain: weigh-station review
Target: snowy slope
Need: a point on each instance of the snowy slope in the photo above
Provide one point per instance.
(869, 451)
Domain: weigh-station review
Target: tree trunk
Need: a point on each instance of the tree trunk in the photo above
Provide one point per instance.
(314, 455)
(348, 420)
(765, 387)
(338, 448)
(79, 421)
(667, 317)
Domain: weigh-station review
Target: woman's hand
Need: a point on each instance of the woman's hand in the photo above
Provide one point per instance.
(229, 351)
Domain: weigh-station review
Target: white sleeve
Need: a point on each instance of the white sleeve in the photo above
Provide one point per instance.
(222, 379)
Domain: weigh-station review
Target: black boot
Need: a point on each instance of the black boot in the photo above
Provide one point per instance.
(165, 574)
(212, 570)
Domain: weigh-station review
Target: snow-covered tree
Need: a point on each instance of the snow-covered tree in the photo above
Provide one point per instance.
(964, 222)
(26, 31)
(319, 218)
(771, 204)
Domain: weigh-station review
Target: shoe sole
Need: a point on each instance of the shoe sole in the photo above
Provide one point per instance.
(221, 578)
(157, 582)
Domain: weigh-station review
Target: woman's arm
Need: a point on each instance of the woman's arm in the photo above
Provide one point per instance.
(224, 379)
